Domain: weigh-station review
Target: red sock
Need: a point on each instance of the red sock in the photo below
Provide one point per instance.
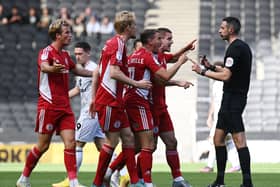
(118, 162)
(146, 160)
(105, 156)
(70, 163)
(139, 167)
(31, 161)
(172, 158)
(129, 157)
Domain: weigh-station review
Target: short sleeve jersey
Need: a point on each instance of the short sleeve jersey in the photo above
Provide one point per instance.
(238, 59)
(141, 65)
(53, 87)
(110, 91)
(84, 84)
(158, 91)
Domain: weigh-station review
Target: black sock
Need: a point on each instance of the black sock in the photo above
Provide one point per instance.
(244, 158)
(221, 155)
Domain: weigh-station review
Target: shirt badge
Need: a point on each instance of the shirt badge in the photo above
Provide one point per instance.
(229, 62)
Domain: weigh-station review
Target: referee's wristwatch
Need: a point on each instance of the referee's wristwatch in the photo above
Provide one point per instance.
(203, 70)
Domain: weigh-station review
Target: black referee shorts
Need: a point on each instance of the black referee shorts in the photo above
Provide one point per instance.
(230, 114)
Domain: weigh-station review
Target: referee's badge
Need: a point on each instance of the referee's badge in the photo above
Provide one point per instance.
(229, 62)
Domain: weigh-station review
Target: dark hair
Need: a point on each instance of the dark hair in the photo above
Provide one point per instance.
(135, 42)
(147, 34)
(234, 22)
(84, 45)
(163, 30)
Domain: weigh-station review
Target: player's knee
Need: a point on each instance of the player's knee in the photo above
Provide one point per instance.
(70, 144)
(128, 139)
(43, 148)
(170, 142)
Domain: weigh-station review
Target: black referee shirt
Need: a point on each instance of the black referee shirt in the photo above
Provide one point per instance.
(238, 59)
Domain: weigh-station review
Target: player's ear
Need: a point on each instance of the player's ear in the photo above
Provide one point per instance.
(231, 29)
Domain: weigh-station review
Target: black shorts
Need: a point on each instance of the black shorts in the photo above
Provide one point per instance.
(230, 114)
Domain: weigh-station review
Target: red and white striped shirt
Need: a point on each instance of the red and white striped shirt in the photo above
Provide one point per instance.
(53, 87)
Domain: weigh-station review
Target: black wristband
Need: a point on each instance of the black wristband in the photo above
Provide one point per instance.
(203, 71)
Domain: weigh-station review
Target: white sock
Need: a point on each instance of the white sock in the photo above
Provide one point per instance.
(79, 157)
(177, 179)
(23, 178)
(108, 173)
(211, 157)
(148, 184)
(74, 182)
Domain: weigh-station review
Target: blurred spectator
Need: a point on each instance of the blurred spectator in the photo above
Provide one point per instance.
(32, 17)
(106, 26)
(3, 16)
(88, 14)
(79, 27)
(64, 14)
(93, 26)
(45, 19)
(14, 17)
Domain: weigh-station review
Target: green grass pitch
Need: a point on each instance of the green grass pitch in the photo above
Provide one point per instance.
(264, 175)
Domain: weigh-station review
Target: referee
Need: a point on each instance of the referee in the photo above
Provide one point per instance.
(236, 77)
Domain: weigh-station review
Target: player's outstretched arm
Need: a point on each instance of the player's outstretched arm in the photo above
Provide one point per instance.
(166, 75)
(78, 70)
(118, 75)
(55, 68)
(94, 84)
(220, 73)
(189, 47)
(74, 92)
(179, 83)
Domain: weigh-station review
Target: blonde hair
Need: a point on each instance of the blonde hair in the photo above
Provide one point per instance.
(56, 27)
(122, 20)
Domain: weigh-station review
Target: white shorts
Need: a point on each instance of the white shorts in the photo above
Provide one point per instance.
(87, 130)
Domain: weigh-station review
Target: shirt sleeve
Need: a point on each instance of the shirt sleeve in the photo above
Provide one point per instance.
(44, 56)
(168, 56)
(232, 58)
(117, 53)
(152, 63)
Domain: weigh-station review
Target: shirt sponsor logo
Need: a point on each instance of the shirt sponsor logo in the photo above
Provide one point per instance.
(229, 62)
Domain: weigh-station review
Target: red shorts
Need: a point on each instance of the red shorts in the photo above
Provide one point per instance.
(111, 119)
(162, 121)
(140, 118)
(49, 121)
